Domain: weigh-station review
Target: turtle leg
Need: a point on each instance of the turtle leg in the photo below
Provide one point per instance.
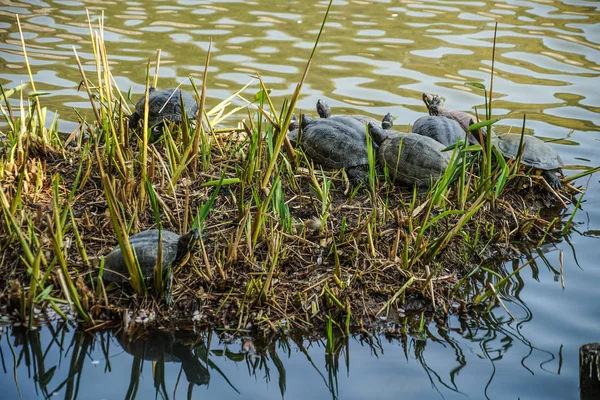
(169, 286)
(552, 179)
(358, 175)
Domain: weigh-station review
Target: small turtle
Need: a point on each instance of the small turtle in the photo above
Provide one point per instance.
(536, 154)
(435, 105)
(324, 111)
(164, 105)
(444, 130)
(175, 252)
(336, 143)
(420, 162)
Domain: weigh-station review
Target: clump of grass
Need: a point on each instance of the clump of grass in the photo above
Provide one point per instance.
(262, 257)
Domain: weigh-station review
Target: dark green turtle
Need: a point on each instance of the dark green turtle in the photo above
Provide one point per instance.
(324, 111)
(536, 154)
(435, 106)
(411, 159)
(444, 130)
(164, 105)
(337, 143)
(175, 252)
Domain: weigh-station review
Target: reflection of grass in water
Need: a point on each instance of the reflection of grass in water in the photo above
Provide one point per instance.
(369, 252)
(200, 355)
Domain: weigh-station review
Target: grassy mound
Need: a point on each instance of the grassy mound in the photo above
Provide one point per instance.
(283, 242)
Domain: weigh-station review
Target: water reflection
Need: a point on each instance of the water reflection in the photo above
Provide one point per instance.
(162, 347)
(451, 354)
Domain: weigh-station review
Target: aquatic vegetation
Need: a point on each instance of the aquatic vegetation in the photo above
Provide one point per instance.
(261, 258)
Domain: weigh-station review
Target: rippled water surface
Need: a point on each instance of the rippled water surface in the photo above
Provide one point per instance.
(374, 57)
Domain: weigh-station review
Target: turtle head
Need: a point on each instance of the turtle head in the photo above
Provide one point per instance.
(427, 99)
(387, 122)
(435, 104)
(293, 123)
(323, 109)
(306, 120)
(186, 243)
(293, 130)
(134, 120)
(377, 133)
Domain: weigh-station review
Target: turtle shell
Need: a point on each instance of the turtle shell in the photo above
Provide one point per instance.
(335, 142)
(411, 159)
(443, 130)
(166, 105)
(145, 246)
(362, 119)
(464, 119)
(536, 153)
(324, 111)
(436, 108)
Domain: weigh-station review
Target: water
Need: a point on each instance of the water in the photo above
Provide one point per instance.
(374, 57)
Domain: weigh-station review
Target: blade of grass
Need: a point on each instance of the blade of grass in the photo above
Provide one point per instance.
(288, 117)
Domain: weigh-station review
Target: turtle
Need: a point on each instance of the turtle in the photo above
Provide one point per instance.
(420, 162)
(175, 252)
(444, 130)
(435, 106)
(324, 111)
(337, 143)
(164, 105)
(536, 154)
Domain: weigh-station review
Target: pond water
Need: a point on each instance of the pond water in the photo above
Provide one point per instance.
(374, 57)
